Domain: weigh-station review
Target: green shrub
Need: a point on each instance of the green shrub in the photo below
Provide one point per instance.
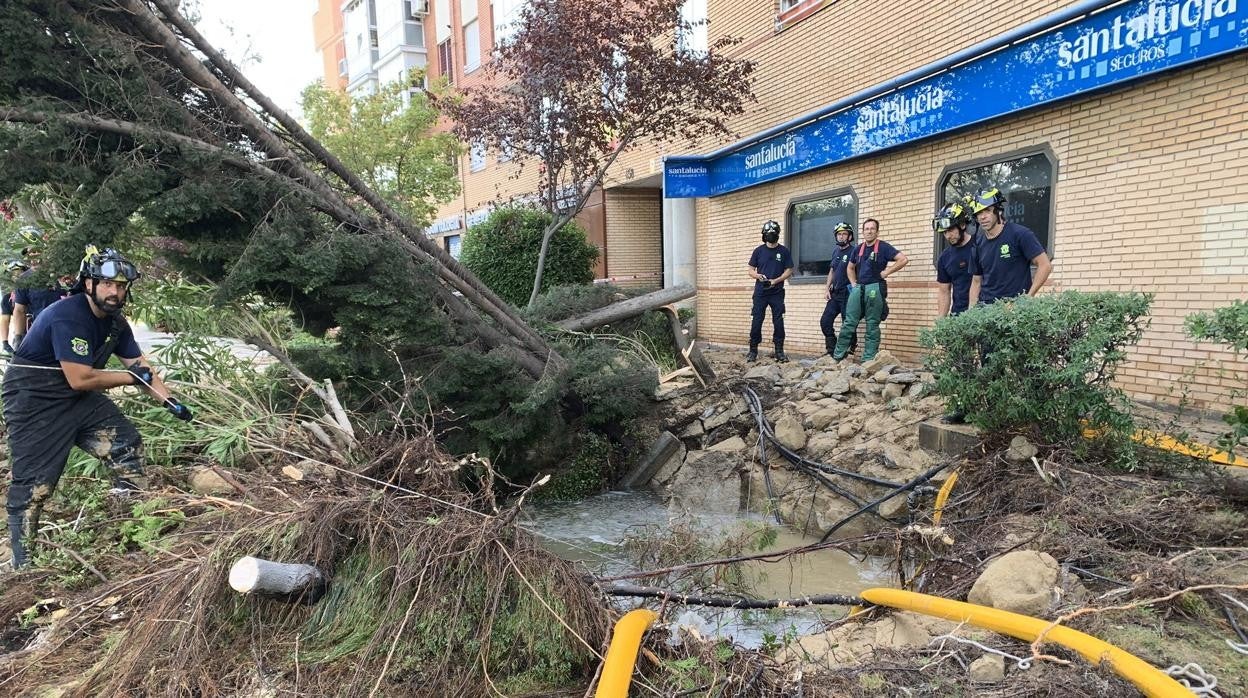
(614, 385)
(586, 475)
(502, 251)
(1047, 363)
(1227, 325)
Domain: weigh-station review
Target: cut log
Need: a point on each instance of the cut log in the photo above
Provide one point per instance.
(626, 309)
(251, 575)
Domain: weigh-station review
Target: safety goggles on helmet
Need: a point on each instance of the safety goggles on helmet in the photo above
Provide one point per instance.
(843, 228)
(986, 199)
(115, 270)
(951, 215)
(15, 265)
(31, 234)
(771, 227)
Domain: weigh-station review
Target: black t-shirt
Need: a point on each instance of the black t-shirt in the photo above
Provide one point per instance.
(69, 331)
(840, 267)
(954, 267)
(36, 299)
(1005, 262)
(771, 263)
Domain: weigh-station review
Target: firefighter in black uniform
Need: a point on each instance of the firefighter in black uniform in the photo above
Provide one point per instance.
(53, 393)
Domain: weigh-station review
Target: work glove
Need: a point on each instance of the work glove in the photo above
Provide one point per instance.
(178, 410)
(142, 375)
(8, 348)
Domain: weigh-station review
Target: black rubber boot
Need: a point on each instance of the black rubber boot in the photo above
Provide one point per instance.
(780, 356)
(753, 355)
(17, 530)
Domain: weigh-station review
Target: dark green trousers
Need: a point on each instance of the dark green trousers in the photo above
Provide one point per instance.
(865, 302)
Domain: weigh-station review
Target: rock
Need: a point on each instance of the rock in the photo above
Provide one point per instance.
(989, 668)
(693, 429)
(854, 371)
(846, 430)
(735, 443)
(882, 359)
(294, 473)
(893, 391)
(710, 482)
(904, 377)
(880, 424)
(825, 417)
(789, 432)
(867, 389)
(669, 390)
(793, 372)
(765, 372)
(836, 384)
(730, 411)
(820, 444)
(1022, 581)
(1020, 450)
(881, 376)
(916, 391)
(853, 644)
(207, 481)
(808, 407)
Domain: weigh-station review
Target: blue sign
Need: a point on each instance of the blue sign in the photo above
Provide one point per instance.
(1120, 44)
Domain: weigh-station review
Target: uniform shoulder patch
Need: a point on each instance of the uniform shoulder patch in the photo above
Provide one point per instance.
(79, 346)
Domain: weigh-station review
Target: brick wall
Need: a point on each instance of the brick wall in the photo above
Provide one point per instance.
(1152, 195)
(635, 236)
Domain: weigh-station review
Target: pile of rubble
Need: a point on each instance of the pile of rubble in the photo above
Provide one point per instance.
(860, 418)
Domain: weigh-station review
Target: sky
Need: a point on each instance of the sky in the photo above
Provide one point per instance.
(271, 40)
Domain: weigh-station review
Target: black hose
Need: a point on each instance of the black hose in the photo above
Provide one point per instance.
(908, 486)
(762, 456)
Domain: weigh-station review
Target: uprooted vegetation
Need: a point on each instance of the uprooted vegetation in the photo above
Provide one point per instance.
(431, 593)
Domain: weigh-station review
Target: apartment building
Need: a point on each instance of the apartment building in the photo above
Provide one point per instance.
(327, 33)
(376, 41)
(1118, 131)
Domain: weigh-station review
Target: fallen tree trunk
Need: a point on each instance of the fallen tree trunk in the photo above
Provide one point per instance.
(688, 348)
(629, 308)
(252, 574)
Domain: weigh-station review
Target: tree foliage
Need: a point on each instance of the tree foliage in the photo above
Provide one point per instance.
(1044, 363)
(1227, 325)
(502, 251)
(581, 82)
(387, 138)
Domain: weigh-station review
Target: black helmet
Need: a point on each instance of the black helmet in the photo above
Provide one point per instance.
(771, 231)
(845, 227)
(15, 265)
(107, 264)
(951, 215)
(988, 198)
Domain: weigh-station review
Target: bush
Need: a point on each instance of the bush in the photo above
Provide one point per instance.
(563, 302)
(1045, 362)
(1227, 325)
(502, 251)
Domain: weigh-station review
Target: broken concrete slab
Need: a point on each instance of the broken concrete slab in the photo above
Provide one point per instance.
(665, 449)
(709, 482)
(735, 443)
(724, 415)
(765, 372)
(949, 439)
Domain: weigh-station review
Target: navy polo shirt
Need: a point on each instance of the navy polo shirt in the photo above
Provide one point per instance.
(954, 267)
(1004, 262)
(840, 267)
(869, 261)
(69, 331)
(770, 262)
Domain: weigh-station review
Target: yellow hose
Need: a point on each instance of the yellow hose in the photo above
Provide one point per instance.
(942, 496)
(1169, 443)
(617, 667)
(1151, 681)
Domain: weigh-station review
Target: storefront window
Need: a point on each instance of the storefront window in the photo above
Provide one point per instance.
(1027, 182)
(811, 223)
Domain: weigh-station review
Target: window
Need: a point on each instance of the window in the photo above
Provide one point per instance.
(476, 157)
(472, 46)
(505, 153)
(691, 35)
(446, 66)
(414, 34)
(506, 19)
(1025, 178)
(786, 5)
(452, 244)
(811, 222)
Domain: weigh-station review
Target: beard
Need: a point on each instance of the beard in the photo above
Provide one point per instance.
(110, 305)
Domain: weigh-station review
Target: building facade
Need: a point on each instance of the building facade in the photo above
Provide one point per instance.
(327, 33)
(1118, 131)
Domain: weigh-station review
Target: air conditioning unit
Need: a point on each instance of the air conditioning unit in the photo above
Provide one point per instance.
(417, 9)
(342, 67)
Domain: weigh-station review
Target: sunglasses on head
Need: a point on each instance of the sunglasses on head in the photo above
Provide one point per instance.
(118, 271)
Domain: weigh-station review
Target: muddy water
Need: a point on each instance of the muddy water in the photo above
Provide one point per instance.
(593, 531)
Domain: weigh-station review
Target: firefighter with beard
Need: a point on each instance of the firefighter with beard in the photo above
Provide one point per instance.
(54, 394)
